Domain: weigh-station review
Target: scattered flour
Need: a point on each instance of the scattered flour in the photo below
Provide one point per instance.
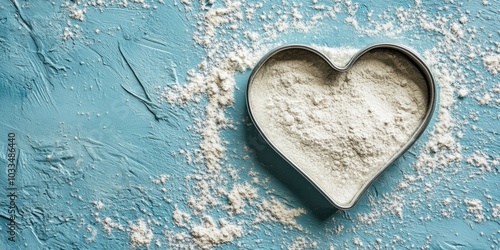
(93, 234)
(492, 63)
(480, 160)
(274, 210)
(457, 45)
(348, 124)
(68, 33)
(496, 211)
(77, 14)
(485, 99)
(357, 242)
(108, 225)
(475, 209)
(181, 219)
(140, 234)
(98, 205)
(162, 179)
(76, 10)
(442, 151)
(463, 93)
(301, 243)
(383, 206)
(238, 195)
(209, 234)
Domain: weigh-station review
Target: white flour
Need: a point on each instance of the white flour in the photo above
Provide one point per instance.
(274, 210)
(492, 63)
(140, 234)
(339, 128)
(210, 234)
(475, 209)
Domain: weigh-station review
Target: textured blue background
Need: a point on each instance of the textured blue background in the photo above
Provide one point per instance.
(92, 105)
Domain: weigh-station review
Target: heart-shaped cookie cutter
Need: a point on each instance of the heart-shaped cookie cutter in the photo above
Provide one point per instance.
(412, 56)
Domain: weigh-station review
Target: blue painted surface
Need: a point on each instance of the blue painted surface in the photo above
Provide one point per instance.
(90, 125)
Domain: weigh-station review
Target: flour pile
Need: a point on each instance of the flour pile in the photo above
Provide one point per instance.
(339, 128)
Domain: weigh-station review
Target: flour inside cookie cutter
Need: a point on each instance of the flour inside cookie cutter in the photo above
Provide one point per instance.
(409, 54)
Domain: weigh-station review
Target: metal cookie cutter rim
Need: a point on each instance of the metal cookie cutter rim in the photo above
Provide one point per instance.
(431, 103)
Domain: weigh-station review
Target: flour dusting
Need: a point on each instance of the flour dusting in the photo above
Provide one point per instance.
(210, 233)
(217, 193)
(140, 233)
(492, 63)
(274, 210)
(475, 209)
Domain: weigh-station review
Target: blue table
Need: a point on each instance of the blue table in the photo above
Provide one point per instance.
(100, 159)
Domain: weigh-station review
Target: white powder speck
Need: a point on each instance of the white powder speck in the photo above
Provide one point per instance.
(338, 229)
(480, 160)
(389, 204)
(302, 243)
(77, 14)
(357, 242)
(93, 234)
(98, 205)
(463, 93)
(180, 218)
(108, 225)
(463, 19)
(253, 36)
(495, 212)
(140, 234)
(162, 179)
(475, 209)
(457, 30)
(485, 99)
(238, 195)
(492, 63)
(274, 210)
(447, 201)
(68, 33)
(211, 234)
